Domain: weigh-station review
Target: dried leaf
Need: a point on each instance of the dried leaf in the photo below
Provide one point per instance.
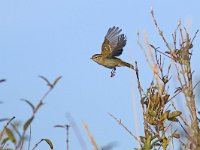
(59, 126)
(4, 119)
(49, 143)
(29, 103)
(47, 81)
(2, 80)
(10, 135)
(56, 80)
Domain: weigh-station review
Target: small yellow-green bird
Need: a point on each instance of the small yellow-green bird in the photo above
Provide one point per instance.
(111, 48)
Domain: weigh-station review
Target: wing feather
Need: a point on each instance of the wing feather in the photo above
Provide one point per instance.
(113, 42)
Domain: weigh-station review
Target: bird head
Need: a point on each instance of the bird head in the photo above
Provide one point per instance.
(96, 57)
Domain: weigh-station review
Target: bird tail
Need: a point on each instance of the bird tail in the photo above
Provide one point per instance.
(128, 65)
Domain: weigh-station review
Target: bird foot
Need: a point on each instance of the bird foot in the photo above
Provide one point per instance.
(113, 72)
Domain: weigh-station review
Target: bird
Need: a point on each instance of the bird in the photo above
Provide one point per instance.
(111, 48)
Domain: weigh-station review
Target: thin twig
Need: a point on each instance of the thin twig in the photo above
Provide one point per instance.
(194, 36)
(196, 84)
(120, 123)
(160, 32)
(37, 144)
(142, 48)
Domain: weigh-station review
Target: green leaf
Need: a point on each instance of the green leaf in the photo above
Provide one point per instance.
(164, 115)
(147, 143)
(142, 139)
(10, 135)
(165, 79)
(49, 143)
(152, 113)
(161, 128)
(165, 98)
(173, 119)
(165, 142)
(4, 141)
(174, 114)
(176, 135)
(151, 121)
(28, 122)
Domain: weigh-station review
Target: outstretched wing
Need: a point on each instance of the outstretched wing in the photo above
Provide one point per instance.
(113, 43)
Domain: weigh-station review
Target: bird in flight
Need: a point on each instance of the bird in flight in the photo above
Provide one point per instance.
(112, 47)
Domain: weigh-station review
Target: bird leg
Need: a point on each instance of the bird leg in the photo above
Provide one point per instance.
(113, 72)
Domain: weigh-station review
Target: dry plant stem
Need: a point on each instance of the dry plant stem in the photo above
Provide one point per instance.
(186, 74)
(42, 99)
(67, 141)
(140, 91)
(29, 139)
(120, 123)
(192, 99)
(154, 67)
(172, 138)
(183, 71)
(183, 128)
(142, 48)
(191, 96)
(37, 144)
(160, 32)
(187, 89)
(92, 140)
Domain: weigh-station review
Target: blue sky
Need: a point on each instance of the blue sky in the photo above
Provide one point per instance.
(53, 38)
